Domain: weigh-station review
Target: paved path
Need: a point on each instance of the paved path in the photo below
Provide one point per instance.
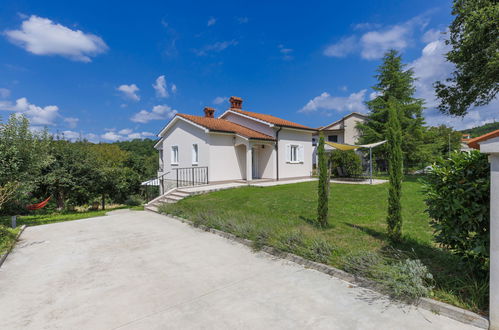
(140, 270)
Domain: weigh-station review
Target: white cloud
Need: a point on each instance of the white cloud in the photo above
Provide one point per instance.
(160, 87)
(211, 21)
(125, 131)
(342, 48)
(125, 134)
(72, 122)
(286, 52)
(174, 88)
(158, 112)
(71, 135)
(4, 93)
(215, 47)
(37, 115)
(129, 91)
(41, 36)
(353, 102)
(220, 99)
(376, 43)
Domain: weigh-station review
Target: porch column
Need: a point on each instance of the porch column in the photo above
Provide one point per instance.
(249, 163)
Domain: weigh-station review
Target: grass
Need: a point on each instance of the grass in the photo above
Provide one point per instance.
(46, 218)
(284, 217)
(7, 238)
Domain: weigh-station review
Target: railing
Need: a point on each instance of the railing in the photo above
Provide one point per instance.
(191, 176)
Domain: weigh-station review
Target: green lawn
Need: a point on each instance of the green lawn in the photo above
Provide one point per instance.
(45, 218)
(7, 238)
(283, 216)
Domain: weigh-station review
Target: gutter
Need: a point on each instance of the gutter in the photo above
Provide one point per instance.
(277, 152)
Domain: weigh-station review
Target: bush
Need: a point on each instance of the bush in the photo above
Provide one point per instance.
(346, 163)
(134, 200)
(458, 201)
(406, 279)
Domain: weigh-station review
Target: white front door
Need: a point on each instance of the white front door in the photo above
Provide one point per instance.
(254, 163)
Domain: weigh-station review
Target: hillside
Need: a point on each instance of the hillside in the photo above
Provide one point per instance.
(481, 130)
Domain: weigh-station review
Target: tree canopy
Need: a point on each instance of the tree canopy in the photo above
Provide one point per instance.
(474, 37)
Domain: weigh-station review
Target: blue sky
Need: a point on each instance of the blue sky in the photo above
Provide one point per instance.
(109, 70)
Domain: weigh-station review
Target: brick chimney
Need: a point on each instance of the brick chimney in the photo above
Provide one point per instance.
(209, 112)
(236, 102)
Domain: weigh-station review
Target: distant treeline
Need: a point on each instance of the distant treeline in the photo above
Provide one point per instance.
(481, 130)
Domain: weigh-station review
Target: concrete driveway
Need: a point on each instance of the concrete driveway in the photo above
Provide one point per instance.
(140, 270)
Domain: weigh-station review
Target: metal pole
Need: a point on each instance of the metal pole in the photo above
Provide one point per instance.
(449, 145)
(14, 220)
(371, 164)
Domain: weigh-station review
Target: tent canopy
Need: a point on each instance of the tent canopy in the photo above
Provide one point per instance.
(341, 146)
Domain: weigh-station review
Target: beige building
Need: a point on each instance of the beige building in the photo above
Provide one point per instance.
(342, 131)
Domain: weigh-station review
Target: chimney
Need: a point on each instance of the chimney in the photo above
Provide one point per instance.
(236, 102)
(209, 112)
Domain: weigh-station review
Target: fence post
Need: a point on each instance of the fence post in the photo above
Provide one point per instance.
(14, 221)
(192, 179)
(176, 170)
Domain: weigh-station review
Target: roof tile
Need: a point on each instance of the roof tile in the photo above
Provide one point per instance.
(271, 119)
(222, 125)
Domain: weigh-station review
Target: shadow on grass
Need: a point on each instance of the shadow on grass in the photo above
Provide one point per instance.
(314, 223)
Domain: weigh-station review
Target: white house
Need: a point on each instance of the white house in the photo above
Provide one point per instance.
(342, 131)
(238, 145)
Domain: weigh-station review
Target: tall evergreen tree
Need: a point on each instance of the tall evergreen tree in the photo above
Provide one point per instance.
(323, 187)
(395, 171)
(394, 81)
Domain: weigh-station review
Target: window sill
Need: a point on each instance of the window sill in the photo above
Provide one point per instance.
(194, 164)
(174, 164)
(290, 162)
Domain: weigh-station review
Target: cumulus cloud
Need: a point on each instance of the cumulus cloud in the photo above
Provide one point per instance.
(174, 88)
(160, 87)
(130, 91)
(4, 93)
(215, 47)
(37, 115)
(342, 48)
(374, 43)
(41, 36)
(72, 122)
(125, 134)
(353, 102)
(211, 21)
(220, 99)
(158, 112)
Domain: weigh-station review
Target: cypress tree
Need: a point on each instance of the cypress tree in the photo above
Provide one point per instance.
(397, 82)
(323, 188)
(395, 171)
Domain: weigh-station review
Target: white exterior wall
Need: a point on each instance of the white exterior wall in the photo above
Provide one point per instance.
(184, 135)
(265, 159)
(290, 170)
(351, 133)
(225, 160)
(250, 123)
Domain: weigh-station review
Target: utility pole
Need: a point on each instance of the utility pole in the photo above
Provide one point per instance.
(449, 145)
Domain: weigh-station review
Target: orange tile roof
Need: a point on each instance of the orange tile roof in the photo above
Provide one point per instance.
(473, 143)
(222, 125)
(271, 119)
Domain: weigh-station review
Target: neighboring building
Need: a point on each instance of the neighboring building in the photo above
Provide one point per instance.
(238, 145)
(341, 131)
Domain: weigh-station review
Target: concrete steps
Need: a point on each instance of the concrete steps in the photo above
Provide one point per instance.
(171, 197)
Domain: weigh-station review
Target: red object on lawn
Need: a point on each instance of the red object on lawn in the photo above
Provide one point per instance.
(38, 206)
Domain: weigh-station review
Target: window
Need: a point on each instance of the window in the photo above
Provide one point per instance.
(332, 138)
(314, 142)
(294, 153)
(195, 156)
(174, 159)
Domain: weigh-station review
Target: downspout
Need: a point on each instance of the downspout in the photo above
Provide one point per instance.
(277, 152)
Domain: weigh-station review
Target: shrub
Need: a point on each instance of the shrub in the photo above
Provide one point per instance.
(319, 250)
(458, 201)
(346, 163)
(323, 185)
(134, 200)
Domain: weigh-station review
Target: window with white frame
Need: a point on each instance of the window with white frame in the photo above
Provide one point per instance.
(294, 153)
(195, 154)
(174, 158)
